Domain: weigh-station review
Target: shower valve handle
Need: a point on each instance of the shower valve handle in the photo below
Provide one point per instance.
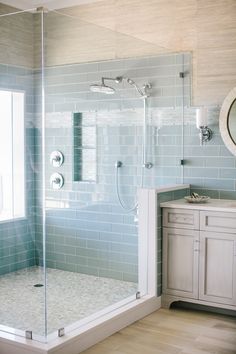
(118, 164)
(148, 165)
(56, 181)
(56, 158)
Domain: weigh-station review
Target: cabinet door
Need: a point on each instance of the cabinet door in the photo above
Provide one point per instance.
(217, 267)
(180, 262)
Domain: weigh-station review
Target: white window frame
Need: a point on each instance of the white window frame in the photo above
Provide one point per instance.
(12, 216)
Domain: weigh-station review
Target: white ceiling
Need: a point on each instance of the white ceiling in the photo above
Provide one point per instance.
(49, 4)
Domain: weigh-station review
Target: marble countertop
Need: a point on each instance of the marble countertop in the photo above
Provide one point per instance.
(224, 205)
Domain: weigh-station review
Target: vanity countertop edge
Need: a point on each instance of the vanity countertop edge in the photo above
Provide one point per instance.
(223, 205)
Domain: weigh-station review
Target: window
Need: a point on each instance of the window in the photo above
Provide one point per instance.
(12, 155)
(85, 164)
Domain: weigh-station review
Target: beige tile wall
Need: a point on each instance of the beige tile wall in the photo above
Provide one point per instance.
(127, 28)
(16, 38)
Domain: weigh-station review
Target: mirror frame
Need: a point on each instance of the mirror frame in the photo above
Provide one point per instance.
(223, 121)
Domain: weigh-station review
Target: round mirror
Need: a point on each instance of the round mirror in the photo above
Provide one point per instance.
(232, 121)
(227, 121)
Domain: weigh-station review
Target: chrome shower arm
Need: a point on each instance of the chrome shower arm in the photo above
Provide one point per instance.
(117, 79)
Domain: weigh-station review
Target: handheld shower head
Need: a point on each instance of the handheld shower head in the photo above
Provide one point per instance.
(138, 89)
(130, 81)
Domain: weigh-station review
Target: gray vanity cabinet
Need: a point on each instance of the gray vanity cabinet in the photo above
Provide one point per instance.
(199, 259)
(180, 262)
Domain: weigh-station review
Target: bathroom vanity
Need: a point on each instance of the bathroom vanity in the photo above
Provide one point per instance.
(199, 253)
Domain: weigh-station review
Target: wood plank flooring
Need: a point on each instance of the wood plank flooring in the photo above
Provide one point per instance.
(175, 331)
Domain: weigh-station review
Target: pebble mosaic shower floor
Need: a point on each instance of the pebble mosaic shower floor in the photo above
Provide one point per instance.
(70, 297)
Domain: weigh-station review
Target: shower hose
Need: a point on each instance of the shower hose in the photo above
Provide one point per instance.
(144, 164)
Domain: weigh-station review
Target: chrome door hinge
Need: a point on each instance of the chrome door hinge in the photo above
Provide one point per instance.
(28, 334)
(61, 332)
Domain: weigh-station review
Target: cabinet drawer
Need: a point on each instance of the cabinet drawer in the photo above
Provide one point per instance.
(181, 218)
(218, 221)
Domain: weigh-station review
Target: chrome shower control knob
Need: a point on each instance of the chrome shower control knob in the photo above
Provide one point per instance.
(148, 165)
(56, 181)
(56, 158)
(118, 164)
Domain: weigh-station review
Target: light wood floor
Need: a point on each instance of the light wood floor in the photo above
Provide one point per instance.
(174, 331)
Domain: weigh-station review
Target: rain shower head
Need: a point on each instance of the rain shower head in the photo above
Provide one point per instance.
(102, 89)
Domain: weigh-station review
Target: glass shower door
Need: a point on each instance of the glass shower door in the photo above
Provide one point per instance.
(91, 242)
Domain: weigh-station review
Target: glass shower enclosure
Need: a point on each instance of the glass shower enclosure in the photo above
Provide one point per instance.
(69, 252)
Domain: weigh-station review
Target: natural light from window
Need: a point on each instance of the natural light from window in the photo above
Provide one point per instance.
(12, 155)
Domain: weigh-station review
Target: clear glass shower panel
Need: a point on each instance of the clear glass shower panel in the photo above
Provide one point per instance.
(170, 95)
(22, 301)
(91, 241)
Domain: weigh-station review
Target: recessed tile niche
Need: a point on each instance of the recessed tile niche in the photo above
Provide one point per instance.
(84, 148)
